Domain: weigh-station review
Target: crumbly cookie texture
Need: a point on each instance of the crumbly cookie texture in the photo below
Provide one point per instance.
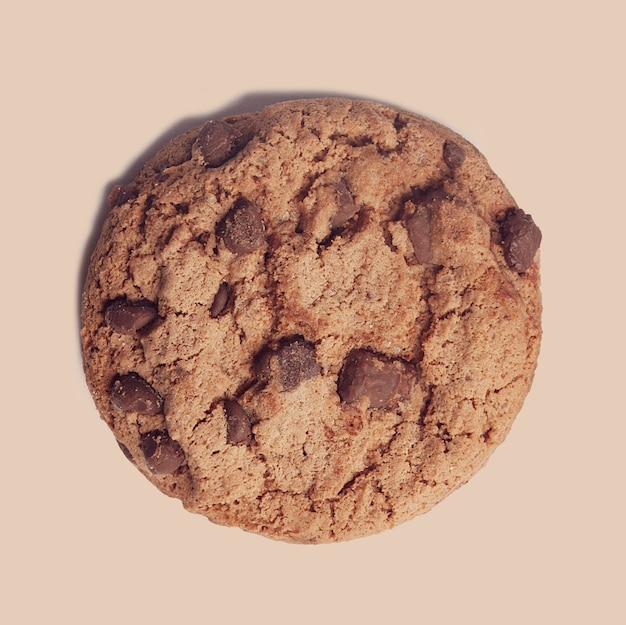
(312, 322)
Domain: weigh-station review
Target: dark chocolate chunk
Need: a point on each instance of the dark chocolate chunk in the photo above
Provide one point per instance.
(262, 365)
(296, 359)
(221, 301)
(520, 239)
(417, 221)
(126, 452)
(383, 381)
(238, 427)
(453, 154)
(122, 193)
(242, 228)
(218, 143)
(346, 206)
(131, 393)
(163, 454)
(126, 317)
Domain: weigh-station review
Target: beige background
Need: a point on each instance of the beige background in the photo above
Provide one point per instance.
(88, 88)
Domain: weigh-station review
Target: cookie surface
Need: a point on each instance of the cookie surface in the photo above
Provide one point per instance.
(312, 322)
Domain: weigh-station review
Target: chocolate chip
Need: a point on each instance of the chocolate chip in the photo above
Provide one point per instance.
(296, 359)
(126, 452)
(520, 239)
(242, 228)
(417, 221)
(218, 143)
(221, 300)
(346, 206)
(131, 393)
(383, 381)
(121, 193)
(126, 317)
(453, 154)
(262, 365)
(163, 454)
(238, 427)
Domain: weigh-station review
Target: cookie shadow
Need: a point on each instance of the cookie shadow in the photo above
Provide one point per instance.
(247, 103)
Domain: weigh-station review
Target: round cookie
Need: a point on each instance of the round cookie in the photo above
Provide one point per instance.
(313, 322)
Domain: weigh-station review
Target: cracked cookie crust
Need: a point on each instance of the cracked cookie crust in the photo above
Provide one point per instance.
(313, 322)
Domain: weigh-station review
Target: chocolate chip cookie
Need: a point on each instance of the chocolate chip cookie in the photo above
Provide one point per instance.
(313, 322)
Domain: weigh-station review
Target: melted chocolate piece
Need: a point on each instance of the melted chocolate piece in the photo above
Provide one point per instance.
(163, 455)
(262, 365)
(221, 301)
(292, 362)
(126, 317)
(453, 154)
(218, 143)
(238, 427)
(122, 193)
(346, 206)
(126, 452)
(520, 239)
(131, 393)
(296, 360)
(384, 382)
(417, 221)
(242, 228)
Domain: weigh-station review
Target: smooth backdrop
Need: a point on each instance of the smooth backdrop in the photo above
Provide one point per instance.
(89, 89)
